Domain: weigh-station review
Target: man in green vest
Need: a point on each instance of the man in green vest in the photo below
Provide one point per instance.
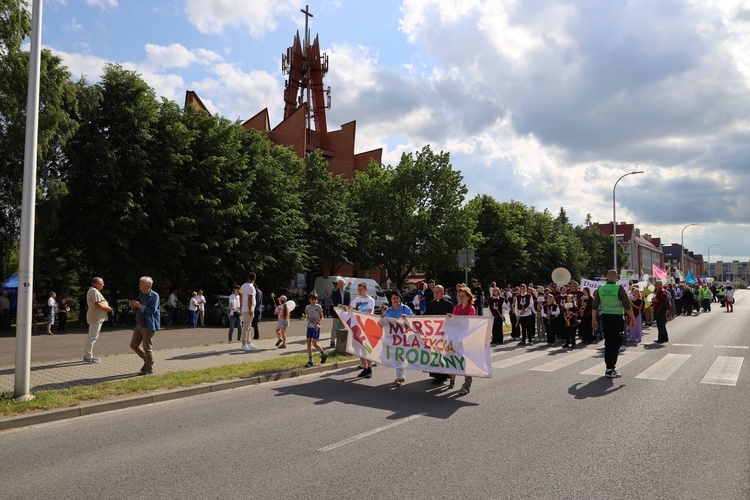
(614, 302)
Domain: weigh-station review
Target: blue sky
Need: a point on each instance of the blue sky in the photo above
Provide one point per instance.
(546, 102)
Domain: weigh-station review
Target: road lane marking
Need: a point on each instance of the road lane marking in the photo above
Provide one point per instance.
(622, 360)
(565, 361)
(732, 347)
(724, 371)
(368, 433)
(506, 363)
(687, 345)
(666, 366)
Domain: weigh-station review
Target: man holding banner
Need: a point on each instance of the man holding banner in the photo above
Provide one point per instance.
(449, 345)
(614, 302)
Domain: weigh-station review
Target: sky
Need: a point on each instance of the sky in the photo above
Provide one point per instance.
(545, 102)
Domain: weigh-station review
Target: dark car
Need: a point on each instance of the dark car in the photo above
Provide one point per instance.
(216, 310)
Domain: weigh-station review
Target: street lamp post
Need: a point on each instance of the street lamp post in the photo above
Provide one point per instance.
(682, 249)
(709, 259)
(614, 220)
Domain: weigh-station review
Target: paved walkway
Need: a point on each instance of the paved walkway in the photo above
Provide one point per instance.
(66, 371)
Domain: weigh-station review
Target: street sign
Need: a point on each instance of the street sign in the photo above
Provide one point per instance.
(466, 258)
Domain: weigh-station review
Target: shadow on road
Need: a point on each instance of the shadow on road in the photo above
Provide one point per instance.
(410, 399)
(86, 381)
(594, 389)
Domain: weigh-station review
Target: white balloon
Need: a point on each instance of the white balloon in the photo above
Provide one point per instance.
(645, 277)
(290, 305)
(650, 298)
(651, 288)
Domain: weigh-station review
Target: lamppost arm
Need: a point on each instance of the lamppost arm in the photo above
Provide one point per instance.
(614, 218)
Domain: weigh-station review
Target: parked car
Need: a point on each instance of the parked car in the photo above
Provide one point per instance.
(217, 310)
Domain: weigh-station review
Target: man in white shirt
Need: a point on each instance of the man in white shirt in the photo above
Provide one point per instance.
(173, 301)
(366, 304)
(97, 313)
(201, 308)
(247, 304)
(235, 312)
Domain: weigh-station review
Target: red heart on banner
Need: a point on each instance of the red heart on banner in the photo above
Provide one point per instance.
(373, 330)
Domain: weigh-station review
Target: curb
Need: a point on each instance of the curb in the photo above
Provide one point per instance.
(160, 396)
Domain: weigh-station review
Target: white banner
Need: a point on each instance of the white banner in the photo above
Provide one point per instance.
(438, 344)
(595, 284)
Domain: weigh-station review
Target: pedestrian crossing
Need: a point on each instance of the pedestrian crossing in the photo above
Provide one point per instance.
(724, 370)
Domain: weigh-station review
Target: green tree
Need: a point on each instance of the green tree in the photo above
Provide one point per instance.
(331, 227)
(57, 101)
(502, 256)
(109, 207)
(411, 216)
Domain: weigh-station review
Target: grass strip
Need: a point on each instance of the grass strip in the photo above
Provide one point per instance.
(74, 396)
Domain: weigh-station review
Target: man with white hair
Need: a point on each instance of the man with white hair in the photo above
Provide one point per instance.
(148, 322)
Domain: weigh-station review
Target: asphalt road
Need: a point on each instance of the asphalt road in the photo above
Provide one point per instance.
(544, 426)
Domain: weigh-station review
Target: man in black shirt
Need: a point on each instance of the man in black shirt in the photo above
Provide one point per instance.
(476, 290)
(439, 306)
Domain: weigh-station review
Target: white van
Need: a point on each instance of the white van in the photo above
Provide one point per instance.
(323, 283)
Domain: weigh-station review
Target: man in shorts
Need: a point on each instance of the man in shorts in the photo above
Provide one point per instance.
(314, 315)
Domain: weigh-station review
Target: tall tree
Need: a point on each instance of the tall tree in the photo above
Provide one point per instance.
(331, 226)
(411, 216)
(57, 101)
(109, 206)
(502, 256)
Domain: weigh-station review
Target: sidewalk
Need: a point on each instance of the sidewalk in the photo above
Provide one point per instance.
(65, 371)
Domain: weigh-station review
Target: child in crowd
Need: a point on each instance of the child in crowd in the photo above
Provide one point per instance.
(314, 315)
(282, 313)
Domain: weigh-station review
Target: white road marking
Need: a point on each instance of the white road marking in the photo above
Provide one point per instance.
(368, 433)
(732, 347)
(519, 359)
(724, 371)
(666, 366)
(564, 361)
(623, 359)
(687, 345)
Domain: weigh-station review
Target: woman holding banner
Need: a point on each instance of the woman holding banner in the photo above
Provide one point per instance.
(396, 311)
(463, 308)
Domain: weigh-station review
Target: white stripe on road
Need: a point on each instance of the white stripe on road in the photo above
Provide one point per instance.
(724, 371)
(623, 359)
(368, 433)
(732, 347)
(666, 366)
(506, 363)
(564, 361)
(687, 345)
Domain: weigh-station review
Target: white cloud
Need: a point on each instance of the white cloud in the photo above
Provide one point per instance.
(73, 26)
(257, 17)
(239, 94)
(178, 56)
(82, 65)
(102, 4)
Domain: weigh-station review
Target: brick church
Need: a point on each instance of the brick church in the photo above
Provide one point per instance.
(305, 104)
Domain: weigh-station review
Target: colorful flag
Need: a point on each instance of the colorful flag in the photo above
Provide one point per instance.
(690, 279)
(657, 272)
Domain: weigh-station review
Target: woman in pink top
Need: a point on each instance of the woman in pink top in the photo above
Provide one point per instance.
(463, 308)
